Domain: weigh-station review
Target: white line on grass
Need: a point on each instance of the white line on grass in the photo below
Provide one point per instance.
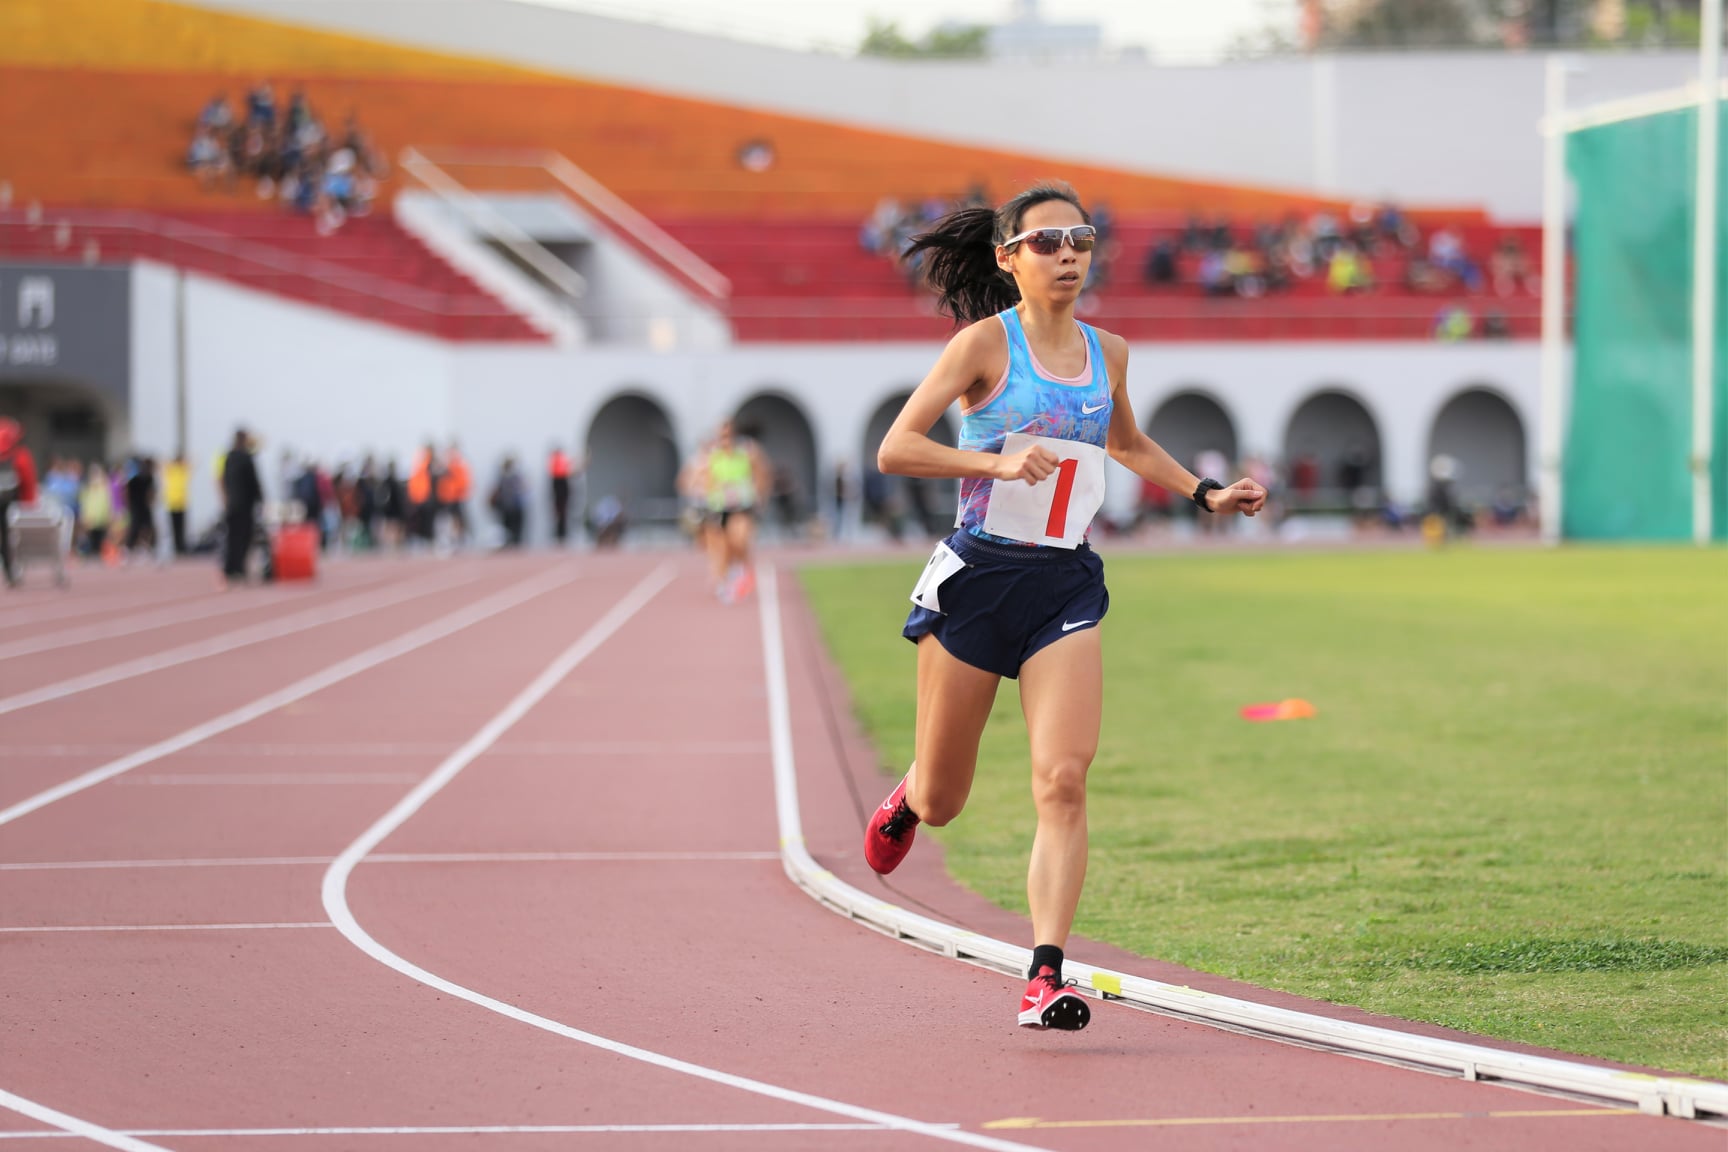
(336, 673)
(72, 1125)
(244, 637)
(335, 892)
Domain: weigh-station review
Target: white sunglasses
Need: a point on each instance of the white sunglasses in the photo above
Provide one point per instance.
(1049, 241)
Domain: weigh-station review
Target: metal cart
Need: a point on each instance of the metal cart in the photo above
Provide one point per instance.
(42, 534)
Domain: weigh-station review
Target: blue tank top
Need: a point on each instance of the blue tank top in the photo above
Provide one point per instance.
(1031, 399)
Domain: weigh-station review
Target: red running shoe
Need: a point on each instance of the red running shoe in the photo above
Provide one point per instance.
(1051, 1003)
(888, 836)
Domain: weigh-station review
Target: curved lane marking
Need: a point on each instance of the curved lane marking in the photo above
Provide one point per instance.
(318, 681)
(335, 892)
(1676, 1095)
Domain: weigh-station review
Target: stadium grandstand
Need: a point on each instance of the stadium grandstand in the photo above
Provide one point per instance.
(357, 227)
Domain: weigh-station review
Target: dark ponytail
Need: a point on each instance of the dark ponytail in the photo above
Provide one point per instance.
(959, 253)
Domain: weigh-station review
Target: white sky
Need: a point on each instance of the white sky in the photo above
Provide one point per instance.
(1169, 30)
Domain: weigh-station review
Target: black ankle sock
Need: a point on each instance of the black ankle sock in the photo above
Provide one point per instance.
(1046, 956)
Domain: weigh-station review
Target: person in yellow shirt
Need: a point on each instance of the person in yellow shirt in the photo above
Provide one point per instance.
(95, 509)
(176, 478)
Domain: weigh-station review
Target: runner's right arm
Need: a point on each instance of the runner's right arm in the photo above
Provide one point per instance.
(973, 361)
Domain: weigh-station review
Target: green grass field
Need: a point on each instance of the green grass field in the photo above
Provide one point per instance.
(1509, 816)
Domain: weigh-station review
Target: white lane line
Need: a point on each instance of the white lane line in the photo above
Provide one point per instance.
(196, 778)
(335, 893)
(636, 747)
(207, 608)
(572, 857)
(249, 751)
(402, 858)
(336, 673)
(477, 1130)
(316, 751)
(72, 1125)
(161, 927)
(243, 638)
(78, 608)
(102, 865)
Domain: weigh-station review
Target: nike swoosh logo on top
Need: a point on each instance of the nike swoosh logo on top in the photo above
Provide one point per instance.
(1088, 409)
(1070, 626)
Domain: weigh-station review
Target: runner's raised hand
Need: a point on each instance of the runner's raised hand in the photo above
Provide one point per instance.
(1244, 496)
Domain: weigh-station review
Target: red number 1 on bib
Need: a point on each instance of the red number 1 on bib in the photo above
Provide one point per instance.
(1058, 522)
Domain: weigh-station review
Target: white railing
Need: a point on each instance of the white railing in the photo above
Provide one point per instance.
(622, 221)
(489, 221)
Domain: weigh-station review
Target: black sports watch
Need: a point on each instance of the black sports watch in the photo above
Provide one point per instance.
(1206, 485)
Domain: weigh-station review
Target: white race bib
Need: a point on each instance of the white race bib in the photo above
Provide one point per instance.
(943, 563)
(1058, 509)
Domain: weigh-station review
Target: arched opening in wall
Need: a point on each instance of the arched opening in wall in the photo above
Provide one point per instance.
(1190, 423)
(66, 420)
(902, 503)
(783, 431)
(1483, 434)
(633, 459)
(1332, 455)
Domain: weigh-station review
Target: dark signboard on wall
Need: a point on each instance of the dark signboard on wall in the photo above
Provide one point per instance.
(63, 323)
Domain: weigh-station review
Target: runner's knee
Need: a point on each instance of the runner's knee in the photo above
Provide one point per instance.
(936, 805)
(1059, 786)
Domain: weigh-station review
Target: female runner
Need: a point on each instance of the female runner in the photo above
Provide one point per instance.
(1016, 591)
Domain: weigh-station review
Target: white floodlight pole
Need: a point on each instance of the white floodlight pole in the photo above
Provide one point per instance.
(1553, 371)
(1704, 269)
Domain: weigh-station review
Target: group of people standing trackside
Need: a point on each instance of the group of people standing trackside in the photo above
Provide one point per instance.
(1017, 591)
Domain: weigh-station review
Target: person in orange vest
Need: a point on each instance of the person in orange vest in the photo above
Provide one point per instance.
(422, 514)
(454, 487)
(558, 469)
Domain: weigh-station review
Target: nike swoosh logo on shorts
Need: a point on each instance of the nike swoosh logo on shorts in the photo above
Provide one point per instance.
(1088, 409)
(1069, 627)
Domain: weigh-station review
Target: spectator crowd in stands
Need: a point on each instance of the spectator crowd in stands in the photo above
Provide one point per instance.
(289, 154)
(1366, 250)
(1230, 260)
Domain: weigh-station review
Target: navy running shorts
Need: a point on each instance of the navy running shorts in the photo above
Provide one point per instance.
(1011, 601)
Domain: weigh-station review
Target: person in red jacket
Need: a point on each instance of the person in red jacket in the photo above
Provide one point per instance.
(17, 485)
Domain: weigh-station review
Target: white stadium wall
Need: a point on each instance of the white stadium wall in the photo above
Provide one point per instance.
(153, 395)
(305, 379)
(333, 387)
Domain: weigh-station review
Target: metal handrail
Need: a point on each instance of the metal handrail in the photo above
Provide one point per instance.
(250, 252)
(493, 223)
(623, 221)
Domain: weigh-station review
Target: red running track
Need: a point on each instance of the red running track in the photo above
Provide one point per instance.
(573, 930)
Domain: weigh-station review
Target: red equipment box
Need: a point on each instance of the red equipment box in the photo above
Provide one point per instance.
(296, 552)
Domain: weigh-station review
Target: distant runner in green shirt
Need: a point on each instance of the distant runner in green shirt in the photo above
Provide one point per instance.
(734, 475)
